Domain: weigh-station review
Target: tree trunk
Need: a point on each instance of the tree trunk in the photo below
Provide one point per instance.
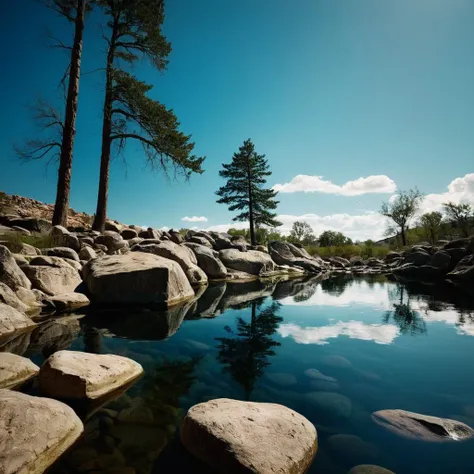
(61, 207)
(101, 210)
(404, 238)
(251, 223)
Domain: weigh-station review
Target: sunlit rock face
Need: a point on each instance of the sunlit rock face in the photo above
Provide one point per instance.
(422, 427)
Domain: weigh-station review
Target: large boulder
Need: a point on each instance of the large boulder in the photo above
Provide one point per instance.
(63, 252)
(129, 234)
(418, 258)
(33, 224)
(282, 254)
(62, 237)
(53, 280)
(34, 432)
(441, 260)
(244, 437)
(15, 370)
(10, 272)
(176, 237)
(196, 239)
(55, 262)
(87, 253)
(252, 261)
(458, 243)
(136, 278)
(8, 297)
(78, 375)
(113, 226)
(112, 240)
(12, 321)
(208, 260)
(150, 233)
(181, 255)
(423, 427)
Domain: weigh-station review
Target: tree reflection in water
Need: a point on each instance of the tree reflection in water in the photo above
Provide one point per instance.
(407, 319)
(245, 354)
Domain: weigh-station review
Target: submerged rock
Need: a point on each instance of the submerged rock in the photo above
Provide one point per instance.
(331, 403)
(237, 437)
(369, 469)
(136, 278)
(15, 370)
(34, 432)
(78, 375)
(422, 427)
(351, 448)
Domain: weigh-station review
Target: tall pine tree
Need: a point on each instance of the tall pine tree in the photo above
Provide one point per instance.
(244, 191)
(129, 114)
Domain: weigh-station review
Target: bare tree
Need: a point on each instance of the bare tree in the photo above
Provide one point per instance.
(402, 209)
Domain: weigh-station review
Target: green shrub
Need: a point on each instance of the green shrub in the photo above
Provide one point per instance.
(347, 251)
(40, 241)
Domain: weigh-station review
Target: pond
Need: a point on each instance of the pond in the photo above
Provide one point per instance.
(334, 350)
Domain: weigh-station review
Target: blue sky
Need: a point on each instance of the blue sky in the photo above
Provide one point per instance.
(335, 89)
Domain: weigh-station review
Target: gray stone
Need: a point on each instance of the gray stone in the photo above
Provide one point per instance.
(67, 301)
(8, 297)
(200, 241)
(129, 234)
(239, 437)
(34, 432)
(32, 224)
(252, 261)
(15, 370)
(112, 240)
(63, 252)
(12, 321)
(87, 253)
(369, 469)
(136, 278)
(10, 273)
(53, 280)
(208, 260)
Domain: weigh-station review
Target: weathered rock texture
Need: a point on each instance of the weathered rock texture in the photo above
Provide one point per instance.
(12, 321)
(34, 432)
(10, 272)
(15, 370)
(246, 437)
(252, 261)
(78, 375)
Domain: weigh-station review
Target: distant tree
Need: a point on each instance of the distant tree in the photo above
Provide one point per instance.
(402, 209)
(460, 216)
(129, 114)
(330, 238)
(302, 233)
(62, 129)
(246, 175)
(431, 224)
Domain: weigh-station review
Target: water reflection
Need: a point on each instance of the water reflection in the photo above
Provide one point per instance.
(245, 352)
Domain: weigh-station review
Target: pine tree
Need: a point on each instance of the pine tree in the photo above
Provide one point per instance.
(129, 114)
(62, 130)
(246, 175)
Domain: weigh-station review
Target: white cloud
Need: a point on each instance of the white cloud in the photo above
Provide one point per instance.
(460, 191)
(316, 184)
(194, 219)
(379, 333)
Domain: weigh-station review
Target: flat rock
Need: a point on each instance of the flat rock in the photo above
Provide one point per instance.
(78, 375)
(136, 278)
(422, 427)
(252, 261)
(34, 432)
(67, 301)
(12, 321)
(369, 469)
(15, 370)
(247, 437)
(10, 272)
(53, 280)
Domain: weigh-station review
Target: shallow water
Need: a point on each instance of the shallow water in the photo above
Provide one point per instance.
(334, 350)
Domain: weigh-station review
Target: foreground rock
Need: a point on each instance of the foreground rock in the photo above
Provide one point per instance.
(15, 370)
(10, 272)
(252, 261)
(78, 375)
(12, 321)
(53, 280)
(422, 427)
(34, 432)
(238, 437)
(136, 278)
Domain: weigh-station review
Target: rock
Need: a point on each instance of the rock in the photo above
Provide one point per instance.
(21, 230)
(112, 240)
(222, 243)
(181, 255)
(34, 432)
(282, 254)
(20, 259)
(129, 234)
(15, 370)
(10, 272)
(422, 427)
(252, 261)
(392, 256)
(87, 253)
(458, 243)
(78, 375)
(369, 469)
(238, 437)
(315, 374)
(425, 273)
(53, 280)
(176, 237)
(30, 297)
(8, 297)
(462, 273)
(208, 260)
(200, 240)
(62, 237)
(456, 254)
(67, 301)
(32, 224)
(63, 252)
(331, 403)
(136, 278)
(150, 233)
(57, 262)
(20, 248)
(282, 379)
(418, 258)
(12, 321)
(113, 226)
(441, 260)
(206, 236)
(350, 448)
(337, 361)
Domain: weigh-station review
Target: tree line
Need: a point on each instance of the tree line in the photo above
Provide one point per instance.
(131, 32)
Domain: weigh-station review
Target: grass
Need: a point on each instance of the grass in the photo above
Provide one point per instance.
(16, 239)
(348, 251)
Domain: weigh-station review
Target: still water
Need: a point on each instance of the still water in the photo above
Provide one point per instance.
(334, 350)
